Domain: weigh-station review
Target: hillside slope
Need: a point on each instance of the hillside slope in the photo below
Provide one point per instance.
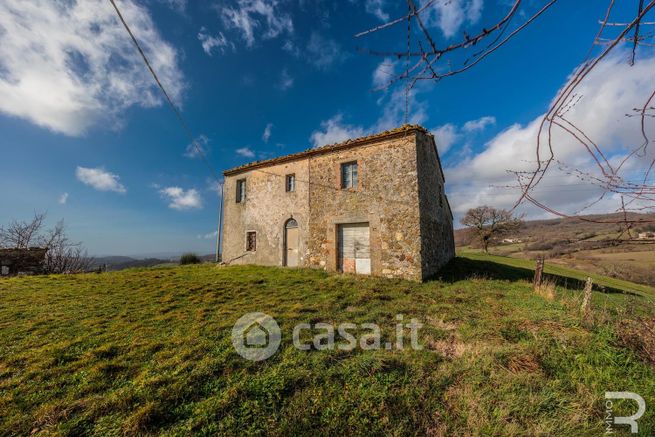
(583, 245)
(149, 351)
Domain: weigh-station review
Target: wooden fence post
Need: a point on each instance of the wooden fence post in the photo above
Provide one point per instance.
(586, 300)
(538, 273)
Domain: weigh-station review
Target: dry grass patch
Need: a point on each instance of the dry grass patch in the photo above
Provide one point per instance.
(523, 363)
(546, 290)
(440, 324)
(449, 348)
(639, 336)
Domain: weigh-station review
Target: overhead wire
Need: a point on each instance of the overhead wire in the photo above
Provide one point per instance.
(172, 104)
(185, 126)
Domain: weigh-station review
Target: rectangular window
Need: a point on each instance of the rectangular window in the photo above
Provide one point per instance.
(349, 175)
(241, 190)
(251, 241)
(291, 183)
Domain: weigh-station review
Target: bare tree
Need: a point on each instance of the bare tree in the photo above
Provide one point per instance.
(428, 60)
(63, 256)
(22, 234)
(488, 223)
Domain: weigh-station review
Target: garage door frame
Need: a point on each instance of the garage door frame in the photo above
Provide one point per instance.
(358, 260)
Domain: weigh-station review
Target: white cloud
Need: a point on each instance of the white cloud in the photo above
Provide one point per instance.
(211, 44)
(100, 179)
(335, 131)
(63, 199)
(608, 93)
(384, 73)
(449, 134)
(267, 132)
(376, 8)
(450, 15)
(291, 48)
(176, 5)
(245, 151)
(253, 18)
(181, 199)
(393, 109)
(392, 115)
(323, 52)
(445, 136)
(208, 236)
(479, 124)
(215, 186)
(286, 81)
(68, 66)
(198, 148)
(474, 11)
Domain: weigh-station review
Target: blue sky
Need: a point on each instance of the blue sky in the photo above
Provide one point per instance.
(87, 138)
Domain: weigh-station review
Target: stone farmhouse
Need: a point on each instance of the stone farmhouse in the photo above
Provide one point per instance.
(372, 205)
(29, 261)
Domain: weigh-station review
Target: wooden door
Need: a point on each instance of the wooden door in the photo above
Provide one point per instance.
(291, 243)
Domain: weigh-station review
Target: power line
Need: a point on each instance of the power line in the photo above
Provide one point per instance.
(176, 110)
(183, 123)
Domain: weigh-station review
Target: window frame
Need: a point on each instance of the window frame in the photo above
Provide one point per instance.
(290, 183)
(241, 190)
(254, 246)
(348, 167)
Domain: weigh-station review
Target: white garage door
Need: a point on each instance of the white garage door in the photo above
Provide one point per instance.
(355, 248)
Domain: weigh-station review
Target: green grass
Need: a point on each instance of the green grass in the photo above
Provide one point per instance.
(148, 351)
(563, 273)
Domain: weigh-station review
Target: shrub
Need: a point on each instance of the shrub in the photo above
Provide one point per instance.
(638, 335)
(190, 258)
(540, 245)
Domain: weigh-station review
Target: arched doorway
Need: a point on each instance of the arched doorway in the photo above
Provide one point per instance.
(291, 243)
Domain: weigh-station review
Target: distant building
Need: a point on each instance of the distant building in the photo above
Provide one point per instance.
(646, 236)
(372, 205)
(512, 240)
(22, 261)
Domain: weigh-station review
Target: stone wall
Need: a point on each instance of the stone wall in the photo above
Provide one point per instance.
(400, 194)
(266, 210)
(22, 261)
(437, 236)
(386, 197)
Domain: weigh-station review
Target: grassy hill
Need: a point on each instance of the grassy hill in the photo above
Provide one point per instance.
(583, 245)
(148, 351)
(566, 277)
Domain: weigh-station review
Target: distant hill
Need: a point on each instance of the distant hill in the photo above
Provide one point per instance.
(590, 243)
(116, 263)
(572, 229)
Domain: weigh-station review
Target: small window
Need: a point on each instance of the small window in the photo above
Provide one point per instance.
(291, 183)
(241, 190)
(251, 241)
(349, 175)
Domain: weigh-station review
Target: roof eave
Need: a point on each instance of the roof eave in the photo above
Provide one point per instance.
(357, 142)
